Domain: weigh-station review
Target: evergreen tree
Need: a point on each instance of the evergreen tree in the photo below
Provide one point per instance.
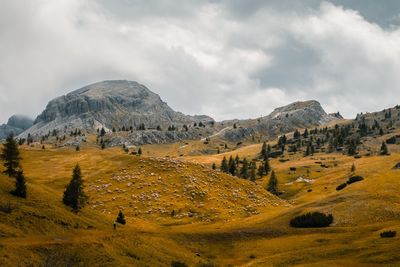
(10, 156)
(214, 166)
(244, 170)
(139, 151)
(121, 218)
(77, 148)
(261, 170)
(296, 135)
(263, 150)
(267, 167)
(20, 185)
(305, 134)
(102, 131)
(273, 184)
(353, 168)
(232, 166)
(74, 196)
(384, 149)
(253, 168)
(224, 165)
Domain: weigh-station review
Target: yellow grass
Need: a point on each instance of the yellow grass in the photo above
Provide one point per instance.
(221, 226)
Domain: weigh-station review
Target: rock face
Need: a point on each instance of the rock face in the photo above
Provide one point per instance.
(284, 119)
(16, 124)
(109, 104)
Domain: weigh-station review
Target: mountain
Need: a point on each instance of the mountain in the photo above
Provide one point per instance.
(301, 114)
(16, 124)
(109, 104)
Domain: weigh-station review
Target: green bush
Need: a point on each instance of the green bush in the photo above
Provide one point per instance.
(340, 187)
(311, 220)
(354, 179)
(388, 234)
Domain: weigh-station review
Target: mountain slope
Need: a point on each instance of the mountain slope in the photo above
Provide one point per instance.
(16, 124)
(109, 104)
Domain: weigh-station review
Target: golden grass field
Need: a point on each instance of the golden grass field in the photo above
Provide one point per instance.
(178, 209)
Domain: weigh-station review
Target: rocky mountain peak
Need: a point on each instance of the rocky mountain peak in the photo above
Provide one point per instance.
(109, 104)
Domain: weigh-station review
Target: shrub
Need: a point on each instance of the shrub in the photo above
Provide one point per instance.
(340, 187)
(311, 220)
(388, 234)
(354, 179)
(178, 264)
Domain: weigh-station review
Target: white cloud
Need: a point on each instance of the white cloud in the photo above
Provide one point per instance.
(199, 56)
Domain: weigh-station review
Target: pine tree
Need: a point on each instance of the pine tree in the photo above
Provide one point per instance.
(261, 170)
(102, 131)
(214, 166)
(232, 168)
(224, 165)
(77, 148)
(20, 185)
(74, 196)
(264, 150)
(253, 168)
(244, 170)
(11, 157)
(305, 134)
(353, 168)
(273, 184)
(267, 167)
(139, 151)
(121, 218)
(384, 149)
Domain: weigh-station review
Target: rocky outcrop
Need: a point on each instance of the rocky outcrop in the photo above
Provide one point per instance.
(109, 104)
(16, 124)
(284, 119)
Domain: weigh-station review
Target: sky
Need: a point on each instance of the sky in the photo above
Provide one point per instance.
(224, 58)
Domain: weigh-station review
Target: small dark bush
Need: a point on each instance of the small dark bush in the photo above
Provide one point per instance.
(391, 140)
(357, 156)
(311, 220)
(354, 179)
(340, 187)
(178, 264)
(293, 169)
(388, 234)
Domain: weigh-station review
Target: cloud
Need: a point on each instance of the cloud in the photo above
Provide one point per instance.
(221, 58)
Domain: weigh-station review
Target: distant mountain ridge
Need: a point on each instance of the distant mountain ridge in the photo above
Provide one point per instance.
(15, 125)
(125, 104)
(109, 104)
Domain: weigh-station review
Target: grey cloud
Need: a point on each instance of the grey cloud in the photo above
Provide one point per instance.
(226, 59)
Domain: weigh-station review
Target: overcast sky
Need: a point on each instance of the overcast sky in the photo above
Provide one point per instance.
(227, 59)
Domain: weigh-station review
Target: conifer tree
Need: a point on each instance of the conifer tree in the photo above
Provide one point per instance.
(74, 196)
(102, 131)
(232, 166)
(353, 168)
(224, 165)
(214, 166)
(261, 170)
(244, 170)
(140, 151)
(384, 149)
(267, 167)
(20, 185)
(121, 218)
(263, 150)
(253, 168)
(272, 186)
(11, 157)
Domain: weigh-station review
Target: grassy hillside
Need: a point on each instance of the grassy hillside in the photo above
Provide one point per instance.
(178, 209)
